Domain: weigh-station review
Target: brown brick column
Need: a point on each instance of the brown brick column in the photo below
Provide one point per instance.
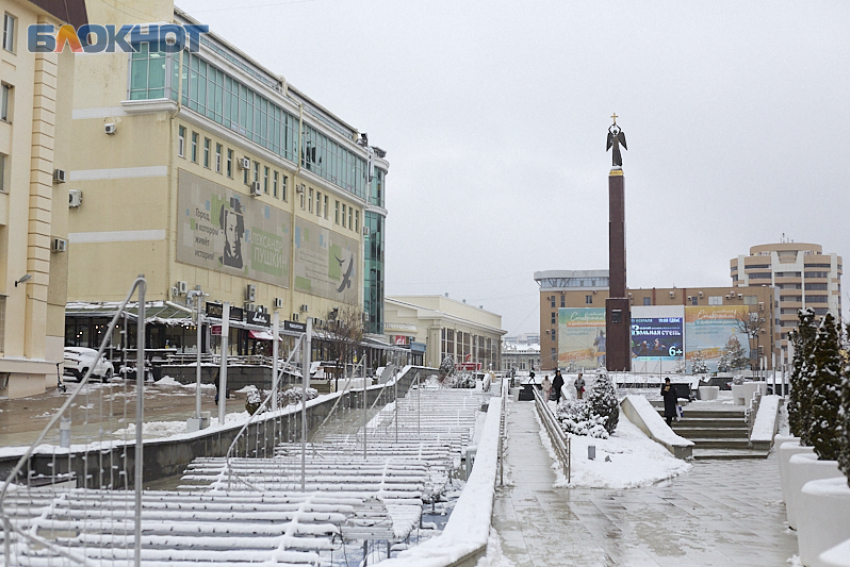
(618, 318)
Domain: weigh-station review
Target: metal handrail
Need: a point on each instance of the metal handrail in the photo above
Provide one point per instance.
(560, 440)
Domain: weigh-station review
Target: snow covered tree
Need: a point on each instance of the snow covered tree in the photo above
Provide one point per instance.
(576, 417)
(447, 367)
(734, 353)
(723, 363)
(825, 388)
(603, 400)
(699, 365)
(842, 430)
(799, 408)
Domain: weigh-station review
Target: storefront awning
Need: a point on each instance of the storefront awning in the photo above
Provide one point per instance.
(261, 335)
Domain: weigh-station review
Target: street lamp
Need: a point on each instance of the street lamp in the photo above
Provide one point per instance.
(24, 278)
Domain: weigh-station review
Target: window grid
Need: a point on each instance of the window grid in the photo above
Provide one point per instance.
(194, 149)
(181, 141)
(207, 143)
(9, 25)
(275, 180)
(218, 149)
(266, 180)
(230, 163)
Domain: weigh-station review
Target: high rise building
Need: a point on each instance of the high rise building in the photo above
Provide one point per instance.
(204, 168)
(35, 156)
(803, 275)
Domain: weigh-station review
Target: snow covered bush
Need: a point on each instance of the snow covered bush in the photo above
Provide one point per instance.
(798, 405)
(738, 380)
(253, 399)
(825, 386)
(603, 401)
(463, 380)
(447, 367)
(842, 430)
(292, 395)
(576, 417)
(699, 365)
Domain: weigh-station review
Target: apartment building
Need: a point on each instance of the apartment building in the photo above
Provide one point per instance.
(803, 275)
(35, 156)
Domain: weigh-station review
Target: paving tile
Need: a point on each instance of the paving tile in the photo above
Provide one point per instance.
(715, 515)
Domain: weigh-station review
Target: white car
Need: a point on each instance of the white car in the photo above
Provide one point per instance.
(78, 360)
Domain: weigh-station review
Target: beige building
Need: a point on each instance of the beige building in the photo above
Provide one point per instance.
(803, 274)
(446, 327)
(35, 148)
(207, 169)
(589, 288)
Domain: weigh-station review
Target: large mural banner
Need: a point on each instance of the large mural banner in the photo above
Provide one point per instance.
(712, 329)
(657, 338)
(222, 230)
(581, 336)
(326, 263)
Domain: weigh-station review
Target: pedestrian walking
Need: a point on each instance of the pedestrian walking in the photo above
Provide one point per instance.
(670, 400)
(557, 384)
(546, 388)
(579, 386)
(531, 377)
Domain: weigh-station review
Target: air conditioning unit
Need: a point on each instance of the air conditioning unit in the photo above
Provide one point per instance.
(58, 245)
(278, 302)
(250, 307)
(365, 231)
(728, 297)
(300, 188)
(59, 176)
(690, 298)
(700, 294)
(244, 163)
(304, 308)
(672, 294)
(256, 189)
(365, 317)
(250, 292)
(740, 296)
(174, 292)
(182, 288)
(630, 295)
(110, 128)
(75, 198)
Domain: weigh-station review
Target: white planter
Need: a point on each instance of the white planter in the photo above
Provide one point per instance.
(708, 392)
(824, 518)
(743, 393)
(787, 450)
(803, 468)
(838, 556)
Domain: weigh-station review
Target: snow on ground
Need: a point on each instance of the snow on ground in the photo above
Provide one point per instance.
(765, 422)
(161, 429)
(635, 460)
(495, 557)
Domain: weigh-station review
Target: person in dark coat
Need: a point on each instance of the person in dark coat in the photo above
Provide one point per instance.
(557, 384)
(670, 401)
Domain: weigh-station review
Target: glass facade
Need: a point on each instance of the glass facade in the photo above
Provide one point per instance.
(373, 300)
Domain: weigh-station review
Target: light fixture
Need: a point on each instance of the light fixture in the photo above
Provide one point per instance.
(24, 278)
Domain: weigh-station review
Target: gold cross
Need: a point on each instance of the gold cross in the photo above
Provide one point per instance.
(615, 117)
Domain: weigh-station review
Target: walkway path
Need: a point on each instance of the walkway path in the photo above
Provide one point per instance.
(721, 513)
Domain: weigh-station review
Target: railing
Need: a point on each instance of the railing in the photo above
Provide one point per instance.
(560, 441)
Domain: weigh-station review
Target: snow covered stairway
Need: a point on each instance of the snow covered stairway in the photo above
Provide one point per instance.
(717, 432)
(178, 527)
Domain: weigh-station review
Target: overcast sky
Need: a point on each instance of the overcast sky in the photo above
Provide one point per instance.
(494, 116)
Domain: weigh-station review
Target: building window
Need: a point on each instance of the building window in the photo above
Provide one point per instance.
(336, 212)
(181, 141)
(588, 299)
(318, 203)
(6, 99)
(302, 197)
(207, 144)
(552, 301)
(310, 202)
(194, 149)
(817, 286)
(695, 300)
(343, 215)
(275, 180)
(256, 171)
(817, 274)
(647, 301)
(2, 173)
(218, 149)
(760, 276)
(350, 213)
(229, 163)
(356, 221)
(283, 187)
(563, 301)
(326, 206)
(9, 23)
(817, 299)
(554, 318)
(266, 180)
(245, 174)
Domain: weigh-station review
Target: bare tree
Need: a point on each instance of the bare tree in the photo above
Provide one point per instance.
(345, 337)
(752, 325)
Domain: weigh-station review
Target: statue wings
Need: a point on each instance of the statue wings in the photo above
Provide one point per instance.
(621, 138)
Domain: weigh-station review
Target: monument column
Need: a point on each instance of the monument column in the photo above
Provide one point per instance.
(618, 319)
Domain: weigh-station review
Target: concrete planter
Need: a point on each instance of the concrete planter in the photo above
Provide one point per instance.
(743, 393)
(804, 468)
(838, 556)
(787, 449)
(708, 392)
(824, 518)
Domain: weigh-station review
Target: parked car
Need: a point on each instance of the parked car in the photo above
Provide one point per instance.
(78, 360)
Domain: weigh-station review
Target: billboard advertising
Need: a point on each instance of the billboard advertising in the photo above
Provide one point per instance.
(709, 329)
(581, 336)
(222, 230)
(657, 338)
(225, 231)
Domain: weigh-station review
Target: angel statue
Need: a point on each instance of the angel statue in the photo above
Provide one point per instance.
(615, 138)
